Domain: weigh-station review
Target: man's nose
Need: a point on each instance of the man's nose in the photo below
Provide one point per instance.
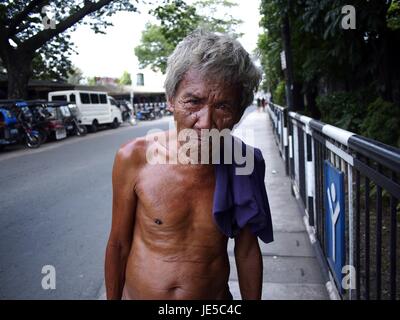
(204, 118)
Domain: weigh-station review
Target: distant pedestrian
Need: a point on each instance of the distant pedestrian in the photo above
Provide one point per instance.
(263, 104)
(258, 104)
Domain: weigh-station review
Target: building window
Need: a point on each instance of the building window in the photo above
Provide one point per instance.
(140, 79)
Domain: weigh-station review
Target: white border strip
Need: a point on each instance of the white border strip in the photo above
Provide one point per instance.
(342, 154)
(336, 133)
(285, 136)
(351, 217)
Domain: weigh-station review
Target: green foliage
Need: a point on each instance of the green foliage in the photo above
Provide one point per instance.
(382, 122)
(176, 20)
(154, 48)
(393, 15)
(125, 79)
(22, 22)
(269, 44)
(52, 60)
(363, 114)
(268, 52)
(342, 109)
(91, 81)
(279, 94)
(75, 76)
(342, 71)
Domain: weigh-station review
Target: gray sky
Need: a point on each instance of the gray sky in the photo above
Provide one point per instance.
(112, 53)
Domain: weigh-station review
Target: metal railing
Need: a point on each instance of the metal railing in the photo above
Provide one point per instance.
(354, 223)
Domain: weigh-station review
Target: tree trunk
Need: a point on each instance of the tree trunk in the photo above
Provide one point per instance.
(19, 71)
(287, 48)
(311, 96)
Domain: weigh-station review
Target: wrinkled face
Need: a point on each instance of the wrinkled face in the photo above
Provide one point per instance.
(201, 103)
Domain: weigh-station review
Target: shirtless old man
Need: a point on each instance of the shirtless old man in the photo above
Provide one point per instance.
(164, 242)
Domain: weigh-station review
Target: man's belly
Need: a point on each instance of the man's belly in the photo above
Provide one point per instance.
(184, 273)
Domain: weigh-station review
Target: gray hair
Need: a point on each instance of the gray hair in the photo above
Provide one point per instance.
(217, 55)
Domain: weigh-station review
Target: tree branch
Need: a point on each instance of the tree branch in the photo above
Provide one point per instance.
(19, 17)
(39, 39)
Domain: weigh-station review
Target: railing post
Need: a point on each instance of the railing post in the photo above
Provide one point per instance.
(290, 140)
(285, 140)
(310, 175)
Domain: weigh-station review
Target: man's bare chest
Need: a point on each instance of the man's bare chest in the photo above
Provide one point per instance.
(173, 197)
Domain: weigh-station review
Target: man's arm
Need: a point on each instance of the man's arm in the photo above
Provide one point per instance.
(123, 219)
(249, 264)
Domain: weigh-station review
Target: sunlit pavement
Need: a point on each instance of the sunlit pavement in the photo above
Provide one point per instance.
(291, 269)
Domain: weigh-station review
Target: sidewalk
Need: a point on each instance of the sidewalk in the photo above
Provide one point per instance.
(291, 269)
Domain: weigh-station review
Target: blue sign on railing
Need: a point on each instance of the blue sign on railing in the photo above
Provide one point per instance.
(334, 219)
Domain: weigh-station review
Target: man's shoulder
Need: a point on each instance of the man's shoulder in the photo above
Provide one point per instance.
(133, 152)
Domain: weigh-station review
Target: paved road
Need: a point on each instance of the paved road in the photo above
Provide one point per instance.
(55, 209)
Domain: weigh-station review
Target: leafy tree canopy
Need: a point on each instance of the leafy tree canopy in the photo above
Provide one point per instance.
(176, 19)
(125, 79)
(35, 35)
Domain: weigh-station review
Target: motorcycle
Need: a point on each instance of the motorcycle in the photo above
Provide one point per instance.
(32, 136)
(165, 110)
(21, 118)
(41, 120)
(157, 110)
(9, 133)
(77, 128)
(145, 112)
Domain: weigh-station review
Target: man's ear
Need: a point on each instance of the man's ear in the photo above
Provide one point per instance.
(171, 104)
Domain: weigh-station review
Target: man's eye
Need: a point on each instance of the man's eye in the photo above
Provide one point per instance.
(223, 106)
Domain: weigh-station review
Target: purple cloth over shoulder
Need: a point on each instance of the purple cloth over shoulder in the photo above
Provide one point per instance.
(241, 200)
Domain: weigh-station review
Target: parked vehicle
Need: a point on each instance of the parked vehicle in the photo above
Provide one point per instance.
(9, 133)
(157, 110)
(165, 110)
(16, 123)
(145, 112)
(116, 123)
(66, 114)
(95, 108)
(125, 109)
(48, 126)
(77, 128)
(127, 112)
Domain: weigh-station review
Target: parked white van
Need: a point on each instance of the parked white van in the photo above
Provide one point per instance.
(94, 107)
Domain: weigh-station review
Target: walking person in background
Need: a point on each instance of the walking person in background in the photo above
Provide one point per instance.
(263, 104)
(258, 104)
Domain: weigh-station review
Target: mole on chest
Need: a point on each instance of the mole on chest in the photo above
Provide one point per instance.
(176, 205)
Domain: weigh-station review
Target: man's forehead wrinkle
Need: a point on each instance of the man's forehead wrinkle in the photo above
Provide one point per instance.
(198, 85)
(191, 91)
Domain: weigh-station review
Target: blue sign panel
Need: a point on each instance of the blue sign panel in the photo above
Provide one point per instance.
(334, 219)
